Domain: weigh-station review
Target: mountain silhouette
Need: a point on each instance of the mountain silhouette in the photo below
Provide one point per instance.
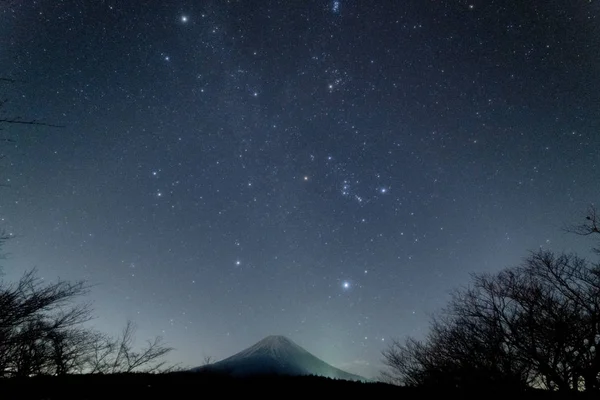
(276, 355)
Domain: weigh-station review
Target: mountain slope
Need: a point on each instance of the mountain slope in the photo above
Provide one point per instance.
(276, 355)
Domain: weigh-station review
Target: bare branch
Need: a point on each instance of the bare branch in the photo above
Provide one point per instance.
(28, 122)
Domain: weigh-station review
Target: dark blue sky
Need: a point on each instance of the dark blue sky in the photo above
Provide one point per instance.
(325, 170)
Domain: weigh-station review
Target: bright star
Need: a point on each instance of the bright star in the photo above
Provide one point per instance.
(238, 262)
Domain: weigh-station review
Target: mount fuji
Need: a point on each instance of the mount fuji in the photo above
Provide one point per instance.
(276, 355)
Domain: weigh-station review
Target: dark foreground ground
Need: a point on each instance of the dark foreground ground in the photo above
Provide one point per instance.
(197, 386)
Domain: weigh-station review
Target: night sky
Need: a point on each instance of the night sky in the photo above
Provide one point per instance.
(325, 170)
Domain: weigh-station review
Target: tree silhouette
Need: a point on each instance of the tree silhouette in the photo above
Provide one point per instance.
(42, 325)
(31, 313)
(117, 355)
(589, 226)
(42, 332)
(534, 325)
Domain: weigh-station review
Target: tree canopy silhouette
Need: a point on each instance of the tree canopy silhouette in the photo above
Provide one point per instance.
(43, 331)
(533, 325)
(43, 328)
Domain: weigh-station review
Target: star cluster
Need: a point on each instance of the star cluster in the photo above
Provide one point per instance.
(327, 170)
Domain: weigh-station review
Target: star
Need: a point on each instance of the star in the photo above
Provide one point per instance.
(335, 7)
(350, 175)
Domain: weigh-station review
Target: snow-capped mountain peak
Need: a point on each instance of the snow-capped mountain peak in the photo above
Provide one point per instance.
(276, 346)
(276, 355)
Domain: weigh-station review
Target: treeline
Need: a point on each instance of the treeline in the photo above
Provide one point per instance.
(44, 331)
(536, 325)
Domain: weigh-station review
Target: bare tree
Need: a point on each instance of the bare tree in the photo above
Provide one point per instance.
(42, 332)
(408, 362)
(29, 311)
(589, 226)
(102, 349)
(537, 324)
(70, 350)
(118, 355)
